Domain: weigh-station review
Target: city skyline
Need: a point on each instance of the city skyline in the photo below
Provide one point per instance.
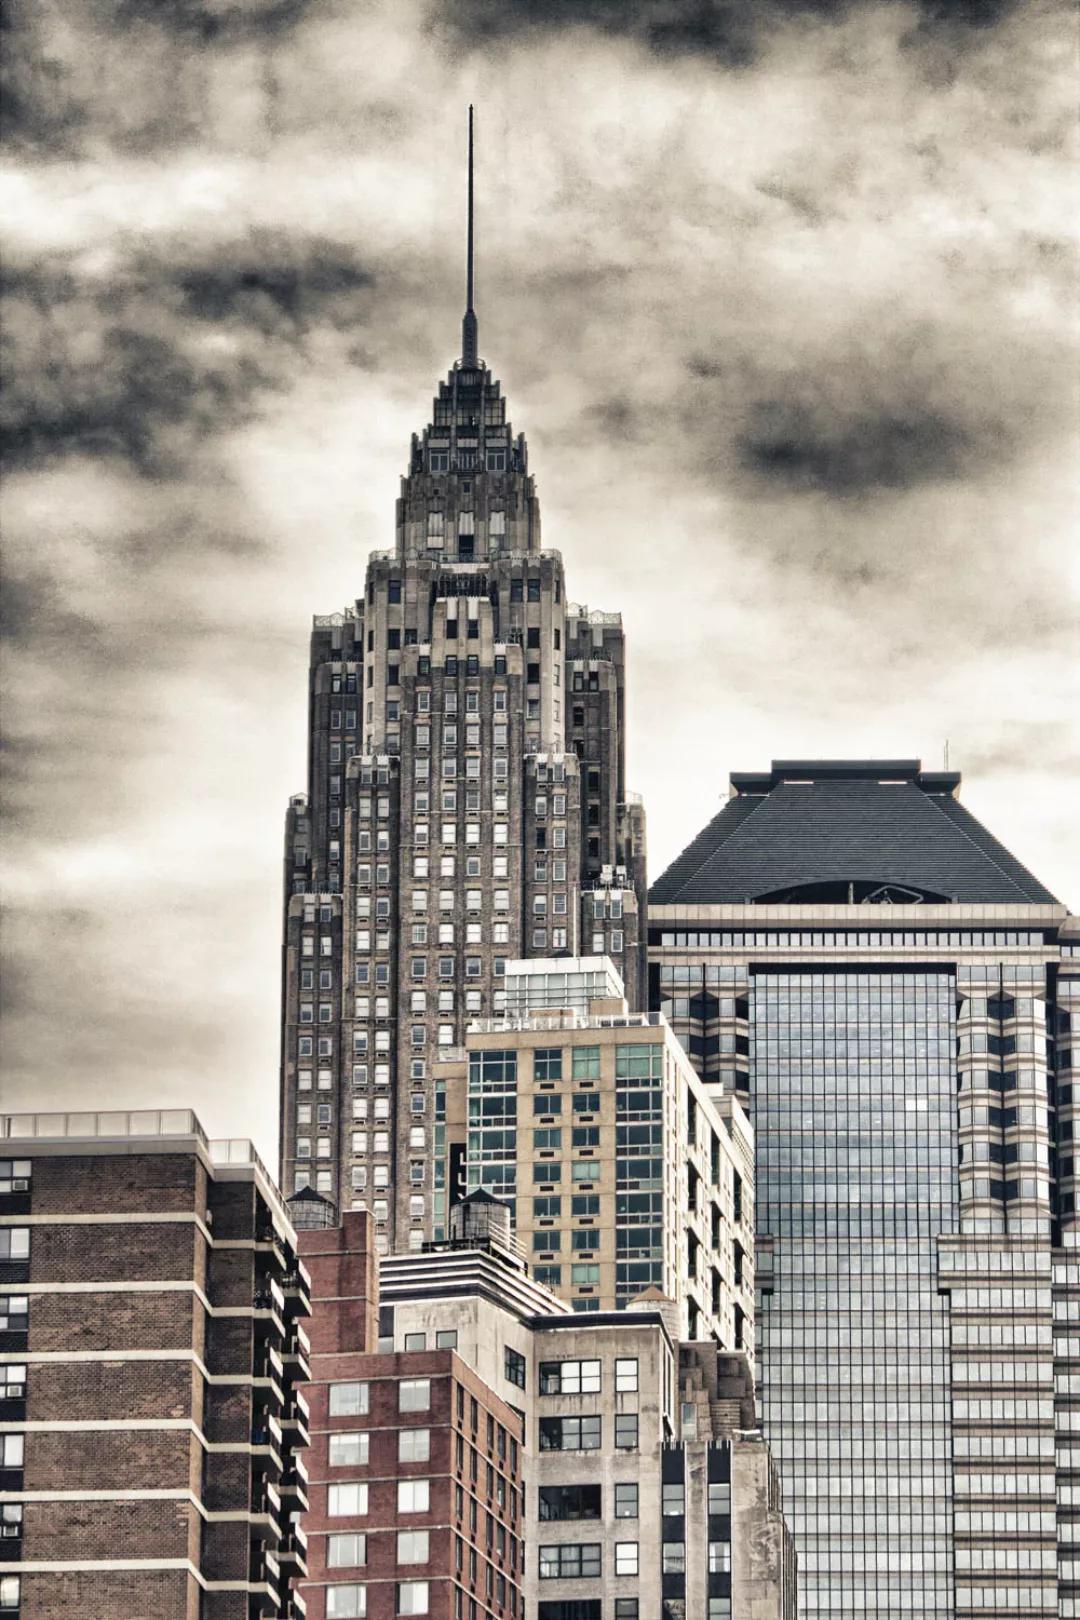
(790, 364)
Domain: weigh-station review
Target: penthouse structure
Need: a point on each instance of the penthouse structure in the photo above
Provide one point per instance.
(152, 1350)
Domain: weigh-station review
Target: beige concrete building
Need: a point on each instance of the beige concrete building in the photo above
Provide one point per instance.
(622, 1171)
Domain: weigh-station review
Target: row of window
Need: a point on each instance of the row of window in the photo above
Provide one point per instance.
(839, 939)
(350, 1602)
(570, 1502)
(586, 1433)
(567, 1560)
(584, 1377)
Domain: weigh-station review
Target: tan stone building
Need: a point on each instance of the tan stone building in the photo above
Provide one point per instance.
(466, 804)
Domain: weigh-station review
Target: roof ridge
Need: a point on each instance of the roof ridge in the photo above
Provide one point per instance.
(979, 849)
(733, 834)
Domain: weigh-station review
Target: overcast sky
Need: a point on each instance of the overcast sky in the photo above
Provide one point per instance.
(779, 293)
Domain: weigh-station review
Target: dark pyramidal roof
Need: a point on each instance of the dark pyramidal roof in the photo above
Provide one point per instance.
(834, 831)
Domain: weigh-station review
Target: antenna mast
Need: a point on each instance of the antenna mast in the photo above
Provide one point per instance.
(468, 326)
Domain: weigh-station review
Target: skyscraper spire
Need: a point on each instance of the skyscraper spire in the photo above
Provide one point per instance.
(468, 325)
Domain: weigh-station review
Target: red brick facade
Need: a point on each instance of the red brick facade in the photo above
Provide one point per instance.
(187, 1388)
(473, 1518)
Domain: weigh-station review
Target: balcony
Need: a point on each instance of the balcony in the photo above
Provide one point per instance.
(295, 1422)
(293, 1555)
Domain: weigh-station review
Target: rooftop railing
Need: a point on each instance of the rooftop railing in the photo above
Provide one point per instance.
(563, 1018)
(141, 1124)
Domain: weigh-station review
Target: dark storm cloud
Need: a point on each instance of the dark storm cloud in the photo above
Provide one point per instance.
(32, 610)
(211, 20)
(129, 73)
(881, 449)
(732, 32)
(914, 407)
(148, 360)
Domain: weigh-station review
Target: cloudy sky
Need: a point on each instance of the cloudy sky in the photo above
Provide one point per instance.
(779, 293)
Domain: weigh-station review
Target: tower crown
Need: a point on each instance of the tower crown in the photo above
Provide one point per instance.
(467, 495)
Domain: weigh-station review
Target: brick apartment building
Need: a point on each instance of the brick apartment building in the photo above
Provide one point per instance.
(151, 1345)
(415, 1463)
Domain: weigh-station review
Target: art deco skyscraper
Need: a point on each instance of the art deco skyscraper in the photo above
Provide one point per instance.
(466, 805)
(895, 997)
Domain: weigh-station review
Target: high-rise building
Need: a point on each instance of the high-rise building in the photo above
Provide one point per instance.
(151, 1349)
(466, 803)
(622, 1172)
(553, 1467)
(415, 1464)
(894, 996)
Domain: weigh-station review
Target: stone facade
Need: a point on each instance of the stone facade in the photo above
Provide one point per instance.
(466, 804)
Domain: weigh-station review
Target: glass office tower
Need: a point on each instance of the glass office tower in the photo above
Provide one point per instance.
(890, 991)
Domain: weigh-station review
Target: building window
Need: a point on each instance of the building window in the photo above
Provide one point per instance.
(446, 1339)
(412, 1547)
(414, 1395)
(626, 1501)
(414, 1445)
(547, 1063)
(10, 1586)
(674, 1558)
(346, 1551)
(14, 1313)
(348, 1450)
(626, 1558)
(564, 1502)
(626, 1373)
(414, 1495)
(345, 1602)
(514, 1367)
(626, 1431)
(673, 1499)
(412, 1597)
(349, 1400)
(626, 1609)
(570, 1561)
(11, 1450)
(346, 1501)
(570, 1433)
(569, 1377)
(719, 1557)
(586, 1065)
